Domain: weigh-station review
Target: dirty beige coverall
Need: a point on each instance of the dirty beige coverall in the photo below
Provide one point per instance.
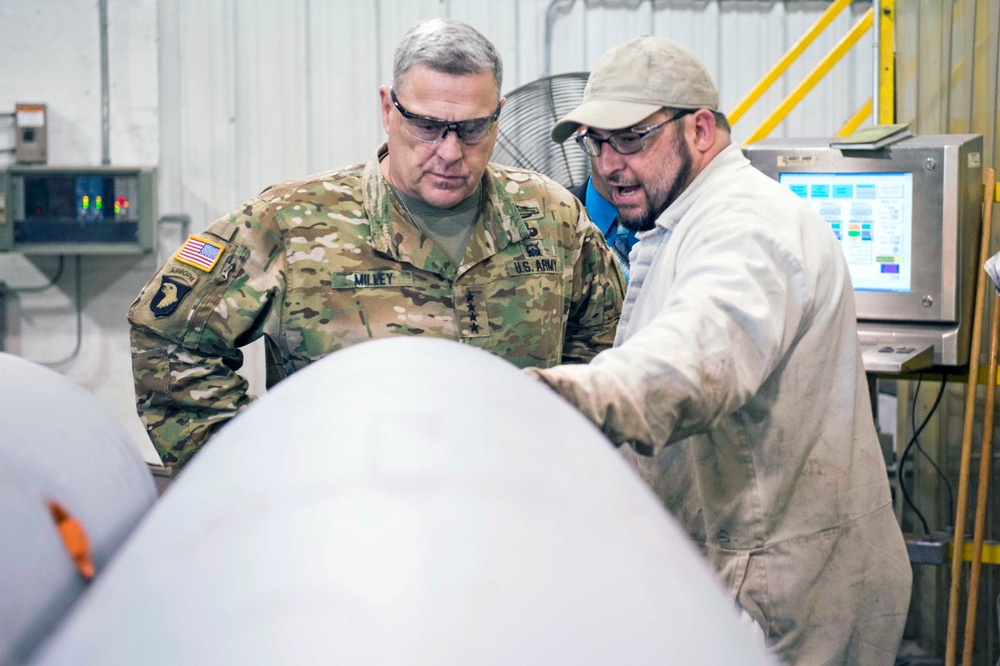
(738, 347)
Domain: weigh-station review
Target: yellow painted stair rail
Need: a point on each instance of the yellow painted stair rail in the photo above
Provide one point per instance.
(887, 63)
(817, 73)
(786, 60)
(884, 21)
(854, 122)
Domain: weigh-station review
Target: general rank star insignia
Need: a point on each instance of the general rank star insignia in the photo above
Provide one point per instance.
(473, 312)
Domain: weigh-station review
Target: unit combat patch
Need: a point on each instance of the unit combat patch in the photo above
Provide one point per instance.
(528, 209)
(168, 296)
(199, 252)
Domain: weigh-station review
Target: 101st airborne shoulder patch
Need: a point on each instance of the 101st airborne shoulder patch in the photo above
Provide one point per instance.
(200, 252)
(168, 296)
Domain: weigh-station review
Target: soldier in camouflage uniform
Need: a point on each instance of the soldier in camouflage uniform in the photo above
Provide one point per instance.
(338, 258)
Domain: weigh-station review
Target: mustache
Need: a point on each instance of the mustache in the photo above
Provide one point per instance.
(622, 182)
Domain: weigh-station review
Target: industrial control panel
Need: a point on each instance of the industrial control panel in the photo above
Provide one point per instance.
(907, 217)
(77, 210)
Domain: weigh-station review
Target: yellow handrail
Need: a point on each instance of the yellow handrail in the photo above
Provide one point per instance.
(787, 59)
(886, 84)
(855, 121)
(827, 63)
(886, 59)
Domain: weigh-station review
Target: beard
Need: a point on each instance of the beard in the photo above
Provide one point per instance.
(661, 194)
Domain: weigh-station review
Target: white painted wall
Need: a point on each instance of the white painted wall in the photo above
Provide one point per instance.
(227, 96)
(50, 52)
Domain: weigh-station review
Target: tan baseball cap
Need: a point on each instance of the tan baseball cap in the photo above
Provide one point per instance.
(634, 80)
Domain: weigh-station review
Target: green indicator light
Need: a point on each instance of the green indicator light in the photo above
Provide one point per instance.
(86, 202)
(97, 203)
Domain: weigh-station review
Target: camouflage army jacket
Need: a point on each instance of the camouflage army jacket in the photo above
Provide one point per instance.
(325, 262)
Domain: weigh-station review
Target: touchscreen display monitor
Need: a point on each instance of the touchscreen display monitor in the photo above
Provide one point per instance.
(871, 214)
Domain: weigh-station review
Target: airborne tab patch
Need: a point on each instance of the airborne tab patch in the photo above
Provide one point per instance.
(168, 296)
(200, 252)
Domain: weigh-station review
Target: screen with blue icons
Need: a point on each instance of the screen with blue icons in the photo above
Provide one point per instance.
(872, 216)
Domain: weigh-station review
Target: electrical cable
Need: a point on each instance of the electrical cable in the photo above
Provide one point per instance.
(79, 322)
(940, 473)
(12, 116)
(913, 440)
(6, 289)
(3, 314)
(43, 287)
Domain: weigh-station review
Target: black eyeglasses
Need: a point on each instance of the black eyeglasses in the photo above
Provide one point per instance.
(432, 130)
(625, 142)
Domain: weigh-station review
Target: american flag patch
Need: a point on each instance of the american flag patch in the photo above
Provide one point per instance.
(200, 253)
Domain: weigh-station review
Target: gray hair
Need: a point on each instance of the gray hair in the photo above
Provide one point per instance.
(448, 46)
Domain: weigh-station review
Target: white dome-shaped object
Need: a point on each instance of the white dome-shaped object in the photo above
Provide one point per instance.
(407, 501)
(57, 443)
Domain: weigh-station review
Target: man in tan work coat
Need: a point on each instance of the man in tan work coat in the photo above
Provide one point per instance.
(737, 364)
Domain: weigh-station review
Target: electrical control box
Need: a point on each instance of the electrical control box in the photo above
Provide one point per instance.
(30, 135)
(77, 210)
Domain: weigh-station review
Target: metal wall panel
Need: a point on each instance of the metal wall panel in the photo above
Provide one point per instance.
(271, 88)
(345, 62)
(268, 90)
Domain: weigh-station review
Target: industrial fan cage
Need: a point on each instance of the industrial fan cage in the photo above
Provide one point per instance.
(526, 122)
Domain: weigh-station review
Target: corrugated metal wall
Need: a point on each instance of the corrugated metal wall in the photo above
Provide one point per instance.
(257, 91)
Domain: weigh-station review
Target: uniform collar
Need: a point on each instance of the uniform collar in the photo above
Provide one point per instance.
(394, 235)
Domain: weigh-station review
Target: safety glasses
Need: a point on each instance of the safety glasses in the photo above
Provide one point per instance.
(627, 141)
(432, 130)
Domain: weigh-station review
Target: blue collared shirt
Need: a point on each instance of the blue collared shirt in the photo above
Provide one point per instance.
(604, 214)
